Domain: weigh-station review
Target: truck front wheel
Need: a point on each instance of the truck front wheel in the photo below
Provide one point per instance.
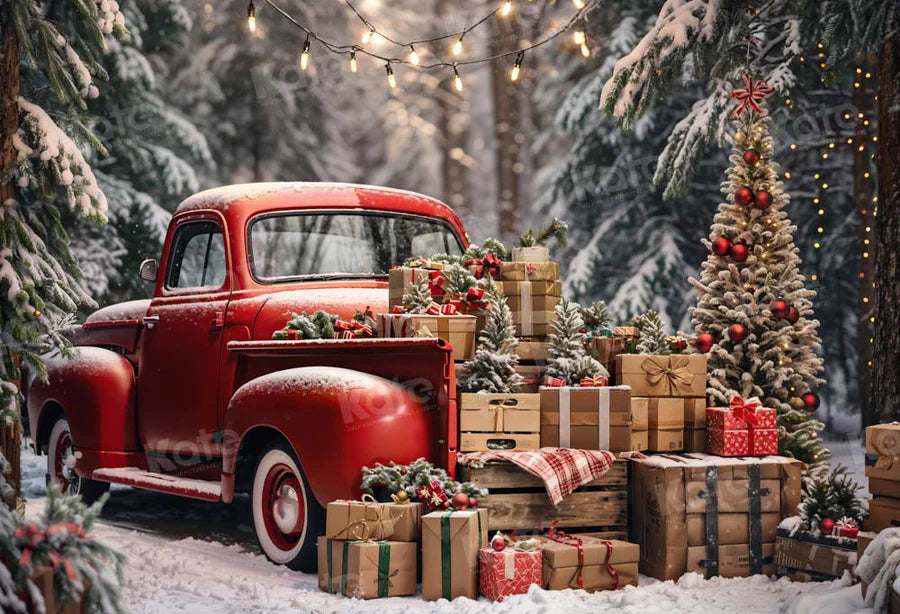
(61, 466)
(286, 517)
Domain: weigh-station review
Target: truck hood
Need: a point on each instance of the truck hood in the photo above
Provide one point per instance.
(343, 301)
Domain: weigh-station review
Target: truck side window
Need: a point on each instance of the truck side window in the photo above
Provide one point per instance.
(198, 257)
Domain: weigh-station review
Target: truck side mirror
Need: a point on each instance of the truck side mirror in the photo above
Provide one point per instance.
(149, 269)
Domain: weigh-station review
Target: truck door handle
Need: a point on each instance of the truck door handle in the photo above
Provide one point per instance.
(217, 322)
(151, 321)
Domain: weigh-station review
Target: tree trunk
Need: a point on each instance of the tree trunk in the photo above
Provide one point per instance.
(863, 191)
(885, 390)
(507, 130)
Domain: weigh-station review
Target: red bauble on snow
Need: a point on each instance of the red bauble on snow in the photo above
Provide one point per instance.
(743, 196)
(737, 332)
(751, 157)
(498, 542)
(473, 502)
(827, 526)
(762, 200)
(739, 252)
(780, 308)
(460, 501)
(721, 246)
(704, 342)
(810, 401)
(792, 315)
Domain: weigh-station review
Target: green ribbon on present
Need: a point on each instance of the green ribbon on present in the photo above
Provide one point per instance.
(328, 555)
(344, 568)
(384, 569)
(445, 555)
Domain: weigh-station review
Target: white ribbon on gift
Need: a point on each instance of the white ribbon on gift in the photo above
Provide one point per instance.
(526, 306)
(565, 417)
(565, 428)
(509, 563)
(603, 419)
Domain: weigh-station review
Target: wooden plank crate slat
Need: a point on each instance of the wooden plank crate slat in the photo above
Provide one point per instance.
(506, 475)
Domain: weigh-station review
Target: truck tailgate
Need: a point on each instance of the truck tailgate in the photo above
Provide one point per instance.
(423, 365)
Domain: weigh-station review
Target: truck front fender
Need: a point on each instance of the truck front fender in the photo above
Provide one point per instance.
(337, 421)
(95, 391)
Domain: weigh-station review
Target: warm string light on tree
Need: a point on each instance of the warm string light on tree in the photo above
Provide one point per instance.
(373, 36)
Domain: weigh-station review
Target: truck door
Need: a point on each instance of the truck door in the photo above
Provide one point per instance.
(182, 339)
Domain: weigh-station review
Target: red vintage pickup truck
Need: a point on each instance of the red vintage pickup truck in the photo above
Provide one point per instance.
(187, 394)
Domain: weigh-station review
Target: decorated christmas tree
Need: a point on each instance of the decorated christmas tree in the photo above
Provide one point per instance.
(568, 360)
(493, 369)
(753, 305)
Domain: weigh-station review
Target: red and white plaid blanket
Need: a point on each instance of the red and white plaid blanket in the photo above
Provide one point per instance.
(562, 469)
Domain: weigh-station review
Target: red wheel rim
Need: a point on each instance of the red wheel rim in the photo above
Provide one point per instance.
(279, 477)
(63, 448)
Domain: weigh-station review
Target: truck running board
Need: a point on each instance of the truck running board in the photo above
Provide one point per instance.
(160, 482)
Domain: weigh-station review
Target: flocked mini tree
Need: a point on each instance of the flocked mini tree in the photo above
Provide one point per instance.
(754, 309)
(493, 369)
(653, 338)
(418, 297)
(568, 359)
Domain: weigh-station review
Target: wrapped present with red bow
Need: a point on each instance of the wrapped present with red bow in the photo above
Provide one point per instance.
(432, 495)
(439, 322)
(402, 278)
(468, 302)
(509, 570)
(744, 428)
(588, 563)
(488, 265)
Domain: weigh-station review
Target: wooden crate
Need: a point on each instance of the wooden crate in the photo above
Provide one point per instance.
(518, 500)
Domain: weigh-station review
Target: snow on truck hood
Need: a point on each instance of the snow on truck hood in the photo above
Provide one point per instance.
(130, 310)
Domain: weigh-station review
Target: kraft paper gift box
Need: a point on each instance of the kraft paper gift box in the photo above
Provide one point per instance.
(695, 440)
(666, 419)
(533, 323)
(457, 330)
(500, 413)
(532, 304)
(671, 493)
(372, 520)
(676, 375)
(695, 413)
(450, 544)
(401, 279)
(367, 569)
(535, 253)
(509, 572)
(532, 351)
(597, 565)
(805, 556)
(531, 271)
(580, 417)
(628, 432)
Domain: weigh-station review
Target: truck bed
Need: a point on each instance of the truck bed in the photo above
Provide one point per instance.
(423, 365)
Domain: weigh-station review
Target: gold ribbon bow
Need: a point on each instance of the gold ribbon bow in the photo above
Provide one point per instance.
(374, 525)
(669, 371)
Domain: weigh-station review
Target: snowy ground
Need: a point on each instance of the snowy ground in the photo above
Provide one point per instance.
(197, 557)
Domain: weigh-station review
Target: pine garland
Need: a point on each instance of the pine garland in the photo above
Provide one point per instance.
(555, 229)
(490, 246)
(409, 477)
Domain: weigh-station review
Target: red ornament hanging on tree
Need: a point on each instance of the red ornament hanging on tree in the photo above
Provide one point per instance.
(792, 315)
(721, 246)
(704, 342)
(810, 401)
(779, 308)
(737, 332)
(739, 252)
(762, 200)
(827, 526)
(743, 196)
(751, 157)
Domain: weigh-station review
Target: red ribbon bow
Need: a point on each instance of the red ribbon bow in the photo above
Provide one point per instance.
(750, 95)
(554, 382)
(343, 325)
(845, 527)
(398, 309)
(489, 264)
(361, 330)
(34, 535)
(435, 283)
(433, 309)
(597, 381)
(448, 309)
(745, 410)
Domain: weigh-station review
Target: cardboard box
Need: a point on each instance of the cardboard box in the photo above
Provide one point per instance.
(529, 271)
(450, 544)
(533, 323)
(805, 555)
(581, 417)
(733, 528)
(883, 439)
(372, 520)
(537, 302)
(665, 413)
(532, 351)
(509, 572)
(883, 467)
(676, 375)
(884, 512)
(367, 569)
(482, 442)
(695, 440)
(695, 413)
(563, 564)
(629, 432)
(498, 413)
(884, 488)
(458, 330)
(640, 409)
(666, 441)
(537, 287)
(535, 253)
(668, 490)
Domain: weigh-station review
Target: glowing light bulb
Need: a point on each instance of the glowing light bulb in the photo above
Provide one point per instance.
(353, 64)
(585, 51)
(514, 73)
(457, 81)
(304, 55)
(392, 80)
(457, 46)
(413, 56)
(367, 36)
(579, 4)
(506, 9)
(251, 17)
(578, 35)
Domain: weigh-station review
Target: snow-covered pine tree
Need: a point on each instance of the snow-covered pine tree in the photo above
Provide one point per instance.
(418, 297)
(568, 359)
(394, 477)
(596, 317)
(653, 338)
(761, 350)
(834, 496)
(493, 369)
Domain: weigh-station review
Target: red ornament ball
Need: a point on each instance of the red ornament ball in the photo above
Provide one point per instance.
(721, 246)
(792, 315)
(460, 501)
(498, 543)
(739, 252)
(704, 342)
(780, 308)
(762, 200)
(446, 504)
(810, 401)
(403, 472)
(737, 332)
(827, 526)
(743, 196)
(751, 157)
(473, 502)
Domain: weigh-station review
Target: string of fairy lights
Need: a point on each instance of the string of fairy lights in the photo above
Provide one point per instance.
(373, 37)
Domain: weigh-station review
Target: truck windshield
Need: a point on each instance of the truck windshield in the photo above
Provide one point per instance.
(335, 244)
